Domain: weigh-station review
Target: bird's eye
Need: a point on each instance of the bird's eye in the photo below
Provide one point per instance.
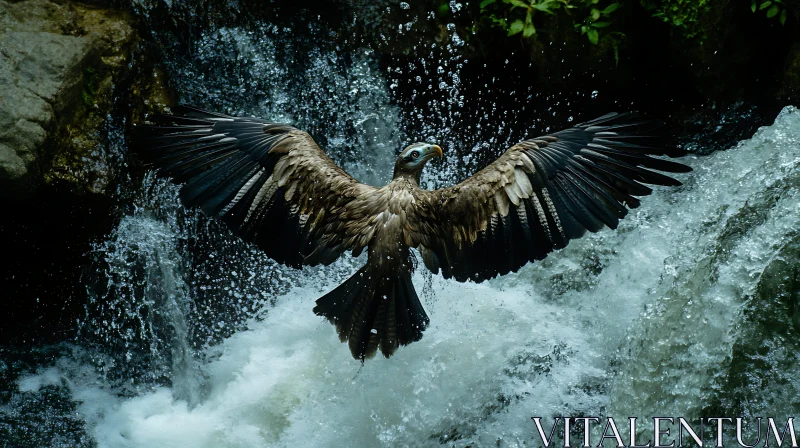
(415, 154)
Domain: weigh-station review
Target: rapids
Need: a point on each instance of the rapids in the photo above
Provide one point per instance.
(197, 340)
(634, 322)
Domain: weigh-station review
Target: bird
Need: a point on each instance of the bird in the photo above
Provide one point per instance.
(273, 186)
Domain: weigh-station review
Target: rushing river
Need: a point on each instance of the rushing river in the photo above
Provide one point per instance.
(195, 340)
(641, 322)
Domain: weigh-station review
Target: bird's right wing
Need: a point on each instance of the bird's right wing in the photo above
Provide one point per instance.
(270, 183)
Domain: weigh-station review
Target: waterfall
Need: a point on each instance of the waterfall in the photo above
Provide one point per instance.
(195, 339)
(141, 315)
(638, 321)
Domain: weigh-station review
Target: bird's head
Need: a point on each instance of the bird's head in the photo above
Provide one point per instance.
(412, 159)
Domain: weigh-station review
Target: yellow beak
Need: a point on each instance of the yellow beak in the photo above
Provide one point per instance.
(436, 150)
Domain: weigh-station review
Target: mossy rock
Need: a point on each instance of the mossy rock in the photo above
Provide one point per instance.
(60, 64)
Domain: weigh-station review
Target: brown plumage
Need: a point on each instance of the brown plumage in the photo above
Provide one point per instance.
(273, 186)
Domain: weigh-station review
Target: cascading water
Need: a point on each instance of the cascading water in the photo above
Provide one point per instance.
(339, 97)
(143, 311)
(197, 340)
(600, 328)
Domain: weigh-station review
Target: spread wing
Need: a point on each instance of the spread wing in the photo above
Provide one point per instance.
(270, 183)
(539, 195)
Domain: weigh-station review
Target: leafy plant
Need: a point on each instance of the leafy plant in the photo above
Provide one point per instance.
(616, 39)
(529, 7)
(596, 20)
(774, 8)
(681, 14)
(519, 16)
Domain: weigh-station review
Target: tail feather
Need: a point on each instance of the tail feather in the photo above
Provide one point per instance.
(374, 312)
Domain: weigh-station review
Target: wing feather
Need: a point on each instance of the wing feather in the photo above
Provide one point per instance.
(269, 182)
(539, 195)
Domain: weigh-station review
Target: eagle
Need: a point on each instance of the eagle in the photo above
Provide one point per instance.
(273, 186)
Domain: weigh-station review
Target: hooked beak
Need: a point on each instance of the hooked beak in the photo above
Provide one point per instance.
(434, 150)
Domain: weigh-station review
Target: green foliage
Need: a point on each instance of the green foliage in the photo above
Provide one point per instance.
(520, 13)
(596, 20)
(521, 16)
(443, 9)
(89, 89)
(774, 8)
(616, 38)
(681, 14)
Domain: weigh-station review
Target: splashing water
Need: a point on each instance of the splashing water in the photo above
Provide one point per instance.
(143, 309)
(207, 343)
(339, 98)
(632, 322)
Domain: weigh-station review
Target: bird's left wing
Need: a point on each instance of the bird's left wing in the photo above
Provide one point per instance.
(537, 196)
(269, 182)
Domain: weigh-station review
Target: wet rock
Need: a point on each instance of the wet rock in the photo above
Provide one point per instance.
(721, 339)
(759, 379)
(64, 70)
(58, 63)
(791, 80)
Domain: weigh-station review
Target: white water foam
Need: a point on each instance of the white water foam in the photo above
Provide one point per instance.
(629, 322)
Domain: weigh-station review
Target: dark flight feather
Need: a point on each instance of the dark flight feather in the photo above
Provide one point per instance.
(582, 179)
(226, 166)
(273, 186)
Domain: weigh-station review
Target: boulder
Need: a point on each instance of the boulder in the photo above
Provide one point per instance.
(58, 62)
